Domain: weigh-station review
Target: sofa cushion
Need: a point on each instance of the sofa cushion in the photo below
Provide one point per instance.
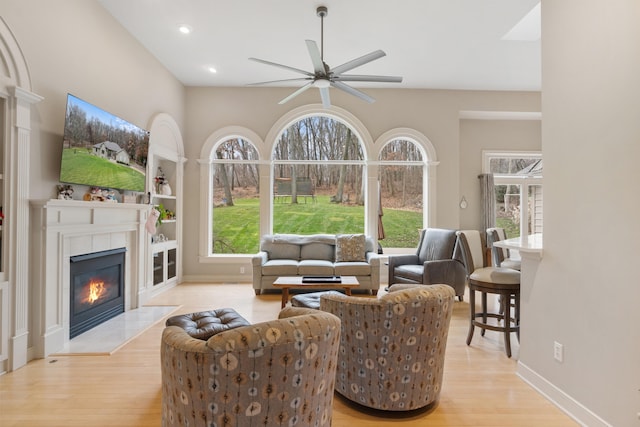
(413, 272)
(353, 269)
(280, 267)
(321, 251)
(350, 247)
(281, 250)
(315, 267)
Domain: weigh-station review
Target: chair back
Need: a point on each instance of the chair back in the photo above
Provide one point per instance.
(471, 249)
(498, 255)
(392, 348)
(260, 374)
(436, 244)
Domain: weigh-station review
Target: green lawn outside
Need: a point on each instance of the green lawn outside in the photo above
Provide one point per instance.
(82, 167)
(511, 228)
(236, 228)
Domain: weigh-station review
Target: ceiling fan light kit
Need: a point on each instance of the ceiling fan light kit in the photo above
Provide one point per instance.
(324, 77)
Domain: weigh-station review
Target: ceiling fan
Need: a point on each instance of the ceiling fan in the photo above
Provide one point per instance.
(323, 77)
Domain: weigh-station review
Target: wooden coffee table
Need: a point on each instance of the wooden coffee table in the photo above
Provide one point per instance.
(295, 282)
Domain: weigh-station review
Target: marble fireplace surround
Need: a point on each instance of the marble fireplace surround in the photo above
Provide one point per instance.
(66, 228)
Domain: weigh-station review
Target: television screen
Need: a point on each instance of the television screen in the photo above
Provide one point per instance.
(102, 150)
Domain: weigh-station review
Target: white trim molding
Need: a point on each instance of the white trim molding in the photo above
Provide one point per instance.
(15, 87)
(500, 115)
(580, 413)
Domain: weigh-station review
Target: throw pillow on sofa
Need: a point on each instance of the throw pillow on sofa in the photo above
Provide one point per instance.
(350, 247)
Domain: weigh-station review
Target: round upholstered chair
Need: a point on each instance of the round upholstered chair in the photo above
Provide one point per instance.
(392, 348)
(280, 372)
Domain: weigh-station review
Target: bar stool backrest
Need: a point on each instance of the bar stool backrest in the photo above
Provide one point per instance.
(471, 247)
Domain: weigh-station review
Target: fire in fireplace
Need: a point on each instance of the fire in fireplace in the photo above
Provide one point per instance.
(97, 289)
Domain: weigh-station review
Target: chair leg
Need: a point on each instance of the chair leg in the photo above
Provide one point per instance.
(507, 327)
(472, 312)
(517, 315)
(484, 311)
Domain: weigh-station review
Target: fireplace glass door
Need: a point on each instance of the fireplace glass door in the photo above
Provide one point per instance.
(97, 289)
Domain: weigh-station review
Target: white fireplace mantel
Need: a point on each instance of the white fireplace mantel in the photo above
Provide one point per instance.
(66, 228)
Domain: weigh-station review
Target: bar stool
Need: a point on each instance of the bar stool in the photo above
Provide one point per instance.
(504, 282)
(501, 257)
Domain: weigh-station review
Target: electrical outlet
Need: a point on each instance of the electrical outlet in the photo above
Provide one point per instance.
(241, 270)
(558, 351)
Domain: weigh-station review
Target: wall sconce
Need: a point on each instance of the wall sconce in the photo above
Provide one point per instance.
(463, 203)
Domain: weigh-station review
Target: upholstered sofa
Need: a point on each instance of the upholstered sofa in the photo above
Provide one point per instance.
(317, 255)
(392, 348)
(279, 372)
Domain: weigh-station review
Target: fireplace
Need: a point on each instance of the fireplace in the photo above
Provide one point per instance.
(97, 289)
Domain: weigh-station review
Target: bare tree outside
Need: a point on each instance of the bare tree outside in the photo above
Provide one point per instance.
(318, 166)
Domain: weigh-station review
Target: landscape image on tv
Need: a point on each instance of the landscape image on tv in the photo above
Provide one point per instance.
(102, 150)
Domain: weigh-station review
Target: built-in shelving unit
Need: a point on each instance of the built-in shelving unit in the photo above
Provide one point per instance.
(166, 166)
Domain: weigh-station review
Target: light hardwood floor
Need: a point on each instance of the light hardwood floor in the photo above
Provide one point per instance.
(480, 385)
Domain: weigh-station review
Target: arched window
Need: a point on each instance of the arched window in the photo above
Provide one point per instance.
(319, 178)
(401, 192)
(316, 172)
(236, 201)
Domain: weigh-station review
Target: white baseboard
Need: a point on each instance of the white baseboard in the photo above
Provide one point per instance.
(562, 400)
(230, 278)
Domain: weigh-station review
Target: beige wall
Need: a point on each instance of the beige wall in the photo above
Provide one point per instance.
(585, 294)
(477, 136)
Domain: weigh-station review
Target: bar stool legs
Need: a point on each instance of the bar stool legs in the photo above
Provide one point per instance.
(507, 324)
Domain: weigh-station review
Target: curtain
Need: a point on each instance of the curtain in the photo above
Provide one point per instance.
(488, 202)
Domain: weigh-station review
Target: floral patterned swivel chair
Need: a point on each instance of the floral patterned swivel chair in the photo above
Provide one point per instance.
(275, 373)
(392, 348)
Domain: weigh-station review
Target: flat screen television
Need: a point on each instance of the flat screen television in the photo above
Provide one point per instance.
(102, 150)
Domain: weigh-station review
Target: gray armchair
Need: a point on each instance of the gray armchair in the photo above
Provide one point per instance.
(433, 263)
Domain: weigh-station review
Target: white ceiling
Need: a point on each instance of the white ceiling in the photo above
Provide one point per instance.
(438, 44)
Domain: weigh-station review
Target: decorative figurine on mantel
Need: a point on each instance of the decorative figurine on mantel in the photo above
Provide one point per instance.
(65, 192)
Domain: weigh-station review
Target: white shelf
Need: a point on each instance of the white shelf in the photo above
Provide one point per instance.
(167, 244)
(162, 196)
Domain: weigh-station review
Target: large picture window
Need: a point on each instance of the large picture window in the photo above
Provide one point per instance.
(319, 178)
(314, 173)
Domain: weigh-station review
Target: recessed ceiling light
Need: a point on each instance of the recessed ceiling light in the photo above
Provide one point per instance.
(185, 29)
(212, 70)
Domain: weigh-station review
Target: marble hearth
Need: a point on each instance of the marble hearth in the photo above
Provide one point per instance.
(68, 228)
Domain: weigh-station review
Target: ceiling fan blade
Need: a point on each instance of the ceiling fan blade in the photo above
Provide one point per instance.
(296, 93)
(352, 91)
(358, 62)
(363, 78)
(300, 79)
(326, 99)
(286, 67)
(316, 58)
